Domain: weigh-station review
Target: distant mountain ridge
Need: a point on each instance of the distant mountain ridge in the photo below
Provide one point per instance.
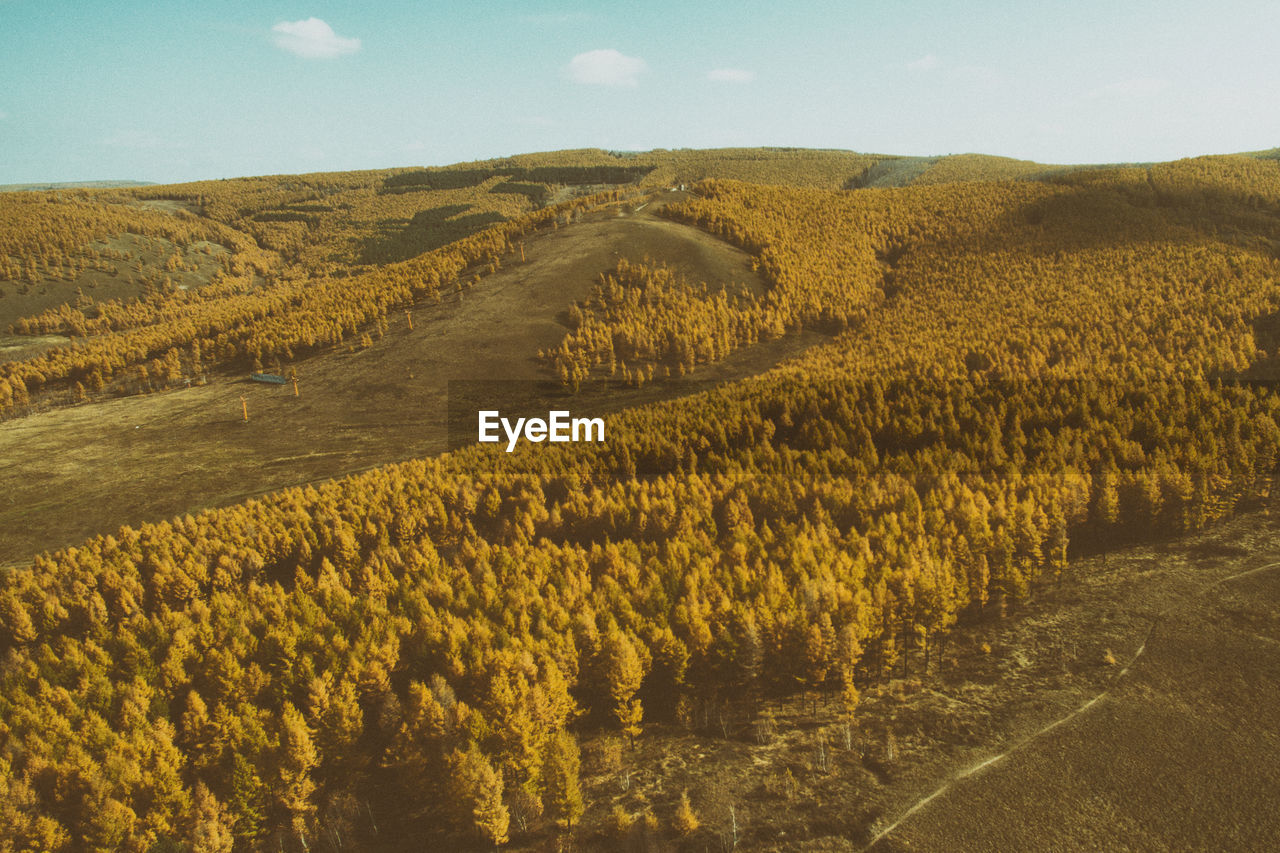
(72, 185)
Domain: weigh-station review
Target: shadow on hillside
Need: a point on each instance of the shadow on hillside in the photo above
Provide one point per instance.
(399, 240)
(1104, 209)
(536, 193)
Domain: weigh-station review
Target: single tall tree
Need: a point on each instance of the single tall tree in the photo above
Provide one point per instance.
(562, 789)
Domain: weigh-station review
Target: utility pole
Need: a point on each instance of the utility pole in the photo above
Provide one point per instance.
(244, 407)
(408, 315)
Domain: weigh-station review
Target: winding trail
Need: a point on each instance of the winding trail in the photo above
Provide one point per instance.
(975, 769)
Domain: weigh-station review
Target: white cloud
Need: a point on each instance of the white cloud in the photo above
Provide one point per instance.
(731, 75)
(606, 68)
(1139, 87)
(928, 62)
(312, 39)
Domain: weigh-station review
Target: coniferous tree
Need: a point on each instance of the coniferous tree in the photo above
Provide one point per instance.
(562, 791)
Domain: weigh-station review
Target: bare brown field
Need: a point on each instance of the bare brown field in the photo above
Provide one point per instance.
(1041, 731)
(1180, 753)
(79, 471)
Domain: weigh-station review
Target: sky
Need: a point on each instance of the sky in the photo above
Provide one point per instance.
(180, 90)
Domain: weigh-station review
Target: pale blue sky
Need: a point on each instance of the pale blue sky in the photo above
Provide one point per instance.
(181, 90)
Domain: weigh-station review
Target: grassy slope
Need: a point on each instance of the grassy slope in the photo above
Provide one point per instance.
(1218, 643)
(88, 469)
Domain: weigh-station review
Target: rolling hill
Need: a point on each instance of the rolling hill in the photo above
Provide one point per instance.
(923, 479)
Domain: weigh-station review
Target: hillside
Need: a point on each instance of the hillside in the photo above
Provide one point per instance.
(923, 476)
(385, 399)
(70, 185)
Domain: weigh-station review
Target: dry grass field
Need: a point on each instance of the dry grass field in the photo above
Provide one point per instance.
(78, 471)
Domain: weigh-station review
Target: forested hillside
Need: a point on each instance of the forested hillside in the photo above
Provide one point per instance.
(96, 302)
(1017, 371)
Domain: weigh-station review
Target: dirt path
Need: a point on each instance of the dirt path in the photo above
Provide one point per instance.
(1176, 753)
(75, 472)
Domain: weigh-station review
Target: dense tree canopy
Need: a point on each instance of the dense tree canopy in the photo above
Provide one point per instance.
(1014, 370)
